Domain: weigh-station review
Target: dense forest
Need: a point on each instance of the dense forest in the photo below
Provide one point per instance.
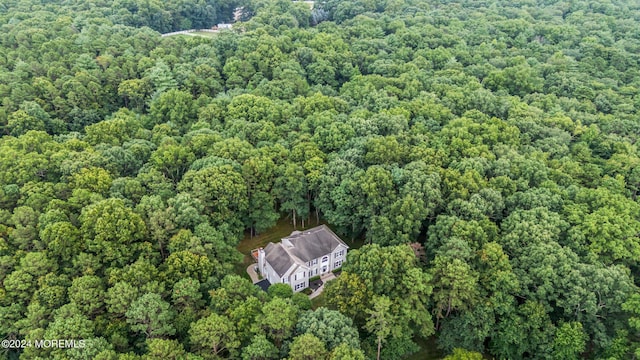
(499, 135)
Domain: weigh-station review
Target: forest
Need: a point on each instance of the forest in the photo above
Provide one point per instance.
(500, 136)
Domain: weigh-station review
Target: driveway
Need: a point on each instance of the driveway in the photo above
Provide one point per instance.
(323, 280)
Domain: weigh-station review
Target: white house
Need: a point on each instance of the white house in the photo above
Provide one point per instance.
(302, 255)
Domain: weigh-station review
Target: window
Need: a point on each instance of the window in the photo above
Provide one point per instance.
(299, 286)
(310, 273)
(325, 259)
(285, 280)
(340, 253)
(315, 261)
(337, 264)
(295, 277)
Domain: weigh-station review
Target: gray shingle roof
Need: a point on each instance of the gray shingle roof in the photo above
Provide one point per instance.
(306, 246)
(313, 243)
(278, 258)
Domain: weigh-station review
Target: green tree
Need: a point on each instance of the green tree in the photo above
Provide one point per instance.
(221, 190)
(307, 347)
(134, 92)
(632, 306)
(344, 352)
(462, 354)
(96, 180)
(213, 335)
(381, 323)
(172, 160)
(151, 316)
(107, 227)
(291, 190)
(186, 294)
(87, 294)
(282, 291)
(569, 341)
(69, 323)
(454, 283)
(278, 320)
(330, 326)
(158, 349)
(348, 294)
(174, 106)
(119, 297)
(19, 122)
(260, 349)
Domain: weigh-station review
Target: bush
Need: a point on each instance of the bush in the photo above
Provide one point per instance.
(282, 291)
(301, 300)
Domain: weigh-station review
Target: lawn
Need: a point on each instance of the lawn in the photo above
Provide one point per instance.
(199, 33)
(204, 34)
(318, 301)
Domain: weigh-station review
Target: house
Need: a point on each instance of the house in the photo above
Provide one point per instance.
(302, 255)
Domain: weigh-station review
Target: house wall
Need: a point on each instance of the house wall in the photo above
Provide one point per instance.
(270, 274)
(336, 259)
(299, 280)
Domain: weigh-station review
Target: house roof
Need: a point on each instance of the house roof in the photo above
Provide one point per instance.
(301, 247)
(263, 284)
(278, 258)
(313, 243)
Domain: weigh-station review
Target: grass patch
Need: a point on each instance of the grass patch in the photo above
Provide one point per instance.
(204, 34)
(318, 301)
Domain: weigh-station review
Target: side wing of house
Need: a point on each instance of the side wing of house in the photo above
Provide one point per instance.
(298, 277)
(338, 256)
